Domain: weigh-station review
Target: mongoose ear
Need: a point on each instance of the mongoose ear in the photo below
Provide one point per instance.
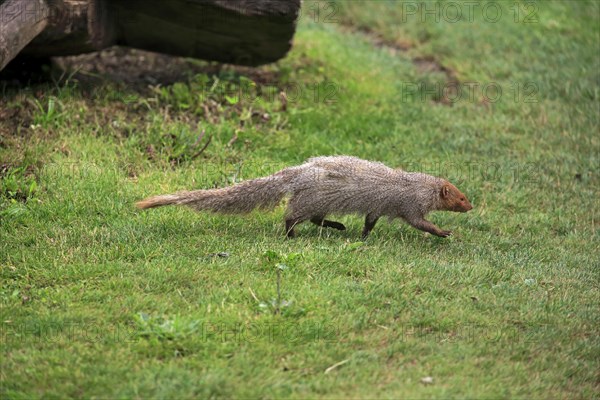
(445, 191)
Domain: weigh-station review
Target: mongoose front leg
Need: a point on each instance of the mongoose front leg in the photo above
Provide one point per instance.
(427, 226)
(328, 224)
(370, 222)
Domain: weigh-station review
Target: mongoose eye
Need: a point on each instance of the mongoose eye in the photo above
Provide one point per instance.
(462, 199)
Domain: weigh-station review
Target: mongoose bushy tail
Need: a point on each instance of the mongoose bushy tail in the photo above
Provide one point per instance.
(332, 185)
(242, 198)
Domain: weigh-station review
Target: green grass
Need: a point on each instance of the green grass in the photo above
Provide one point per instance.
(102, 300)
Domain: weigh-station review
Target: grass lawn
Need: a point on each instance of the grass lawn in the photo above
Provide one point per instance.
(102, 300)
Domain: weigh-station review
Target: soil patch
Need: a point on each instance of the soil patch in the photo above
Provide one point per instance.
(139, 69)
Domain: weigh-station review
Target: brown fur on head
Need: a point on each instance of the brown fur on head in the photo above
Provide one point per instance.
(453, 199)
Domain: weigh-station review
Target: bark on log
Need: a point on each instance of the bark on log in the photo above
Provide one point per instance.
(244, 32)
(20, 22)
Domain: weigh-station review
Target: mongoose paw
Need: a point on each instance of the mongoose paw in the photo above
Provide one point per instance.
(339, 226)
(445, 233)
(329, 224)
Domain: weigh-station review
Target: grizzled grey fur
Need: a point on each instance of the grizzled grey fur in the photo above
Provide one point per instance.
(332, 185)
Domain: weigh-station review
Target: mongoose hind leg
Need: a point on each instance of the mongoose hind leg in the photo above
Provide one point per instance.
(320, 221)
(370, 221)
(295, 214)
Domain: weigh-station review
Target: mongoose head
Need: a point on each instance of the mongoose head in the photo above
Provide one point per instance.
(453, 199)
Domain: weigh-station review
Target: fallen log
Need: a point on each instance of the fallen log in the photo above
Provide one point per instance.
(243, 32)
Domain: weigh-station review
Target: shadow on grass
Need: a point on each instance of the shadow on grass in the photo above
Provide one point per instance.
(133, 69)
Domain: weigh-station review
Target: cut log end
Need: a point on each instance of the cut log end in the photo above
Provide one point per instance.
(20, 22)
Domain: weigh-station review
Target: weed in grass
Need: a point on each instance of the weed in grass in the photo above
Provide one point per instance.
(17, 183)
(278, 305)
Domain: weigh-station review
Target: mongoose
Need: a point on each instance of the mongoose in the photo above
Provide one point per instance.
(332, 185)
